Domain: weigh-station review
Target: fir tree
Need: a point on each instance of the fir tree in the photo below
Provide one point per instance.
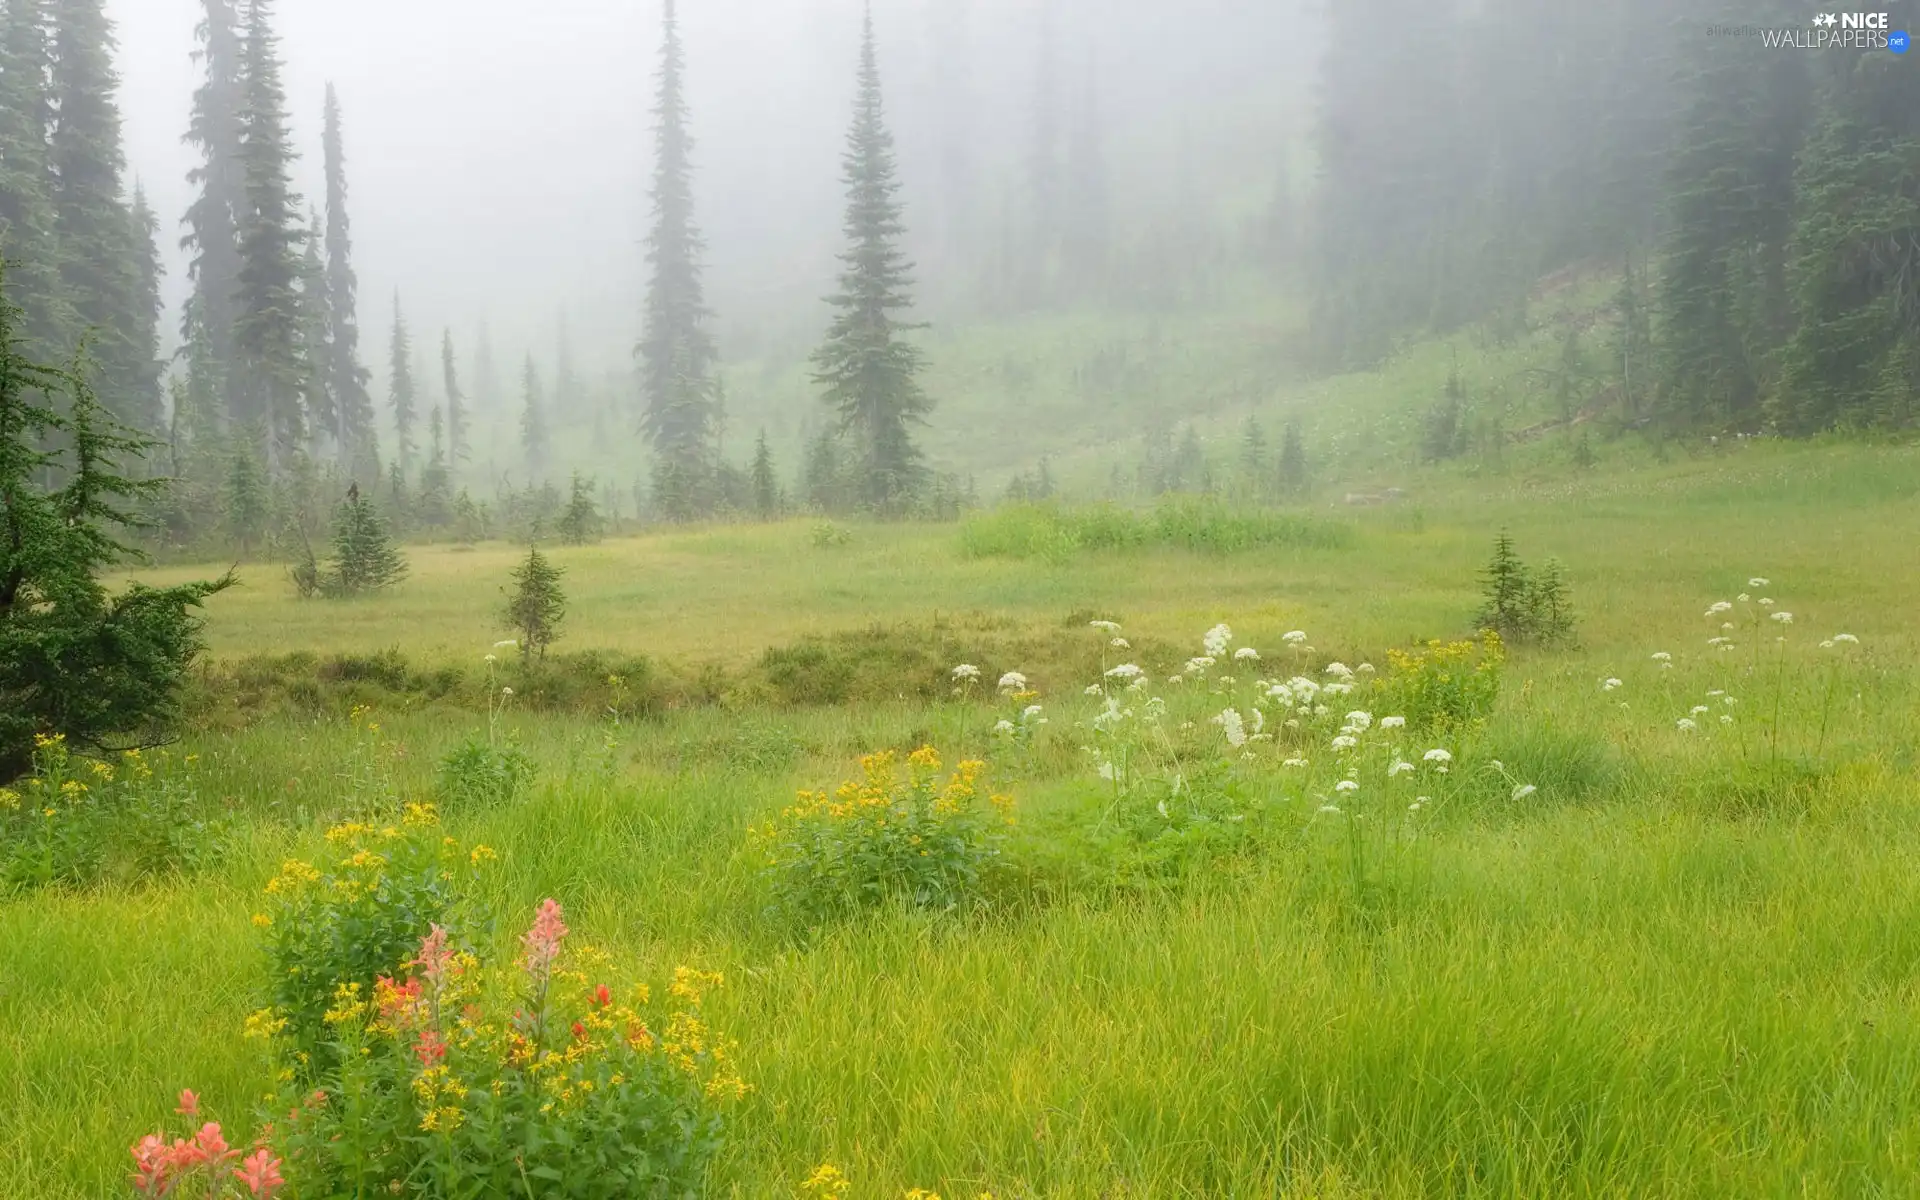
(536, 607)
(269, 371)
(100, 266)
(400, 389)
(28, 225)
(346, 376)
(868, 373)
(534, 439)
(580, 521)
(364, 557)
(74, 660)
(433, 506)
(322, 406)
(676, 354)
(1293, 461)
(766, 485)
(1506, 587)
(245, 498)
(213, 220)
(147, 304)
(459, 449)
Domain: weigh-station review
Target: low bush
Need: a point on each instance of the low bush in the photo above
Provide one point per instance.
(897, 834)
(1445, 686)
(480, 773)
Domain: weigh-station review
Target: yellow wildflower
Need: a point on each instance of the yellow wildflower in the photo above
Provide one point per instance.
(827, 1182)
(480, 854)
(262, 921)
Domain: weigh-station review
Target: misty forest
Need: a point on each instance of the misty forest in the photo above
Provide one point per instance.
(968, 598)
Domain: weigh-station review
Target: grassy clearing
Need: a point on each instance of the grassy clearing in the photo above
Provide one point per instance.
(1684, 966)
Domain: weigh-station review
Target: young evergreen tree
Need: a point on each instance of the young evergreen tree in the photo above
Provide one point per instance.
(536, 607)
(28, 224)
(213, 220)
(534, 438)
(346, 376)
(75, 660)
(1293, 461)
(433, 507)
(364, 557)
(676, 354)
(269, 368)
(459, 447)
(868, 373)
(144, 316)
(580, 522)
(766, 485)
(100, 265)
(245, 498)
(400, 390)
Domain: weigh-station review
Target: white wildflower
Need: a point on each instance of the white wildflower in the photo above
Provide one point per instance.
(1719, 606)
(1610, 684)
(1233, 726)
(1295, 763)
(509, 644)
(1199, 666)
(1744, 598)
(1004, 728)
(1345, 742)
(1716, 693)
(1107, 772)
(1757, 582)
(492, 658)
(1013, 681)
(1346, 785)
(1339, 670)
(1700, 708)
(1393, 722)
(1105, 626)
(1523, 791)
(1846, 639)
(1121, 643)
(966, 672)
(1399, 768)
(1217, 640)
(506, 691)
(1161, 808)
(1725, 719)
(1437, 755)
(1092, 689)
(1259, 722)
(1365, 668)
(1030, 712)
(1126, 671)
(1295, 637)
(1785, 618)
(1686, 725)
(1330, 809)
(1359, 722)
(1662, 656)
(1246, 654)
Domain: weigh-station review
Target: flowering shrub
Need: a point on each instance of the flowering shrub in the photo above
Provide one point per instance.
(75, 822)
(346, 924)
(896, 833)
(202, 1167)
(1446, 686)
(455, 1078)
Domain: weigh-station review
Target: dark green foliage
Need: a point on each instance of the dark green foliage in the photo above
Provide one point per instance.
(75, 660)
(433, 506)
(1521, 605)
(364, 557)
(580, 522)
(213, 220)
(346, 377)
(99, 255)
(28, 226)
(245, 496)
(480, 774)
(269, 370)
(1445, 436)
(676, 354)
(536, 606)
(868, 374)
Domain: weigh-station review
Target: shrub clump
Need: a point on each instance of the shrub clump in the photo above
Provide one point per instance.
(1524, 605)
(1446, 686)
(480, 773)
(900, 833)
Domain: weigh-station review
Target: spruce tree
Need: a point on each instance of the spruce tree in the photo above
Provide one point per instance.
(213, 220)
(364, 557)
(269, 368)
(400, 389)
(76, 661)
(766, 485)
(433, 507)
(580, 521)
(28, 225)
(459, 448)
(99, 262)
(1293, 461)
(868, 374)
(245, 497)
(346, 376)
(144, 314)
(536, 607)
(676, 354)
(316, 330)
(534, 438)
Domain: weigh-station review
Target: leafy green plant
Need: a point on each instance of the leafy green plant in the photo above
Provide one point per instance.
(480, 773)
(1445, 686)
(829, 536)
(896, 834)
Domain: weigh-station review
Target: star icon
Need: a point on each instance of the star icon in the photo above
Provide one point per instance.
(1826, 19)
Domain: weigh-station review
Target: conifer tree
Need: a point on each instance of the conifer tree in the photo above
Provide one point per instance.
(144, 233)
(766, 485)
(76, 661)
(459, 449)
(400, 390)
(346, 376)
(433, 507)
(28, 225)
(364, 557)
(269, 368)
(1253, 453)
(100, 266)
(316, 324)
(536, 607)
(213, 220)
(1293, 461)
(580, 521)
(868, 374)
(245, 497)
(676, 354)
(534, 438)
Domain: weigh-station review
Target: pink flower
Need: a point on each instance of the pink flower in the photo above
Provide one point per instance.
(543, 940)
(602, 996)
(435, 959)
(211, 1144)
(152, 1164)
(431, 1047)
(189, 1103)
(261, 1173)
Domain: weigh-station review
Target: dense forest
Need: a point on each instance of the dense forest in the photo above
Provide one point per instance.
(1401, 172)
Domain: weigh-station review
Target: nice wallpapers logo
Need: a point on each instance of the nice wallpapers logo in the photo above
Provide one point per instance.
(1840, 31)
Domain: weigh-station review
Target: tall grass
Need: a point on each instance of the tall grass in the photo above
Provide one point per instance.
(1200, 524)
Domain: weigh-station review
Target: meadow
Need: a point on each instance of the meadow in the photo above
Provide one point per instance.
(1631, 949)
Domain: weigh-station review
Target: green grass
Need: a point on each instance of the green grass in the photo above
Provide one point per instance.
(1685, 967)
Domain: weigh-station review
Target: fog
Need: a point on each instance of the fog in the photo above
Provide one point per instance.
(498, 159)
